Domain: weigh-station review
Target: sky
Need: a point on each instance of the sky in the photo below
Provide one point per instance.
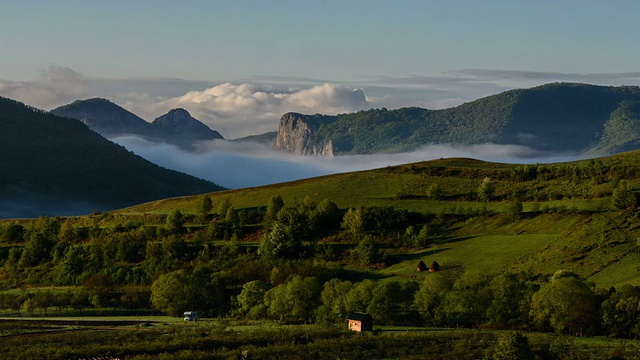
(239, 65)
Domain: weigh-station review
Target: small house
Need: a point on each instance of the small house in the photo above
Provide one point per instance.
(434, 267)
(360, 322)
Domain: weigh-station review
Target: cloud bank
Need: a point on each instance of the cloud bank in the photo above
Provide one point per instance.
(238, 110)
(54, 86)
(239, 165)
(254, 105)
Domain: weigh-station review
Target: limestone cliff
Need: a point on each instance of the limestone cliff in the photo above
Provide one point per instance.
(296, 135)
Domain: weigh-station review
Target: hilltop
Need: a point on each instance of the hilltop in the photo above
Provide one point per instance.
(559, 117)
(176, 127)
(568, 220)
(56, 165)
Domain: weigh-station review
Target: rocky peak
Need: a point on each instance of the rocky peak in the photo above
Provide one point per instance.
(297, 136)
(178, 122)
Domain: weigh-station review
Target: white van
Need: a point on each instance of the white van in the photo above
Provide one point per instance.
(191, 316)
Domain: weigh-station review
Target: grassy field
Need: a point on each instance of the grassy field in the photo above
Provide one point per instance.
(27, 339)
(557, 231)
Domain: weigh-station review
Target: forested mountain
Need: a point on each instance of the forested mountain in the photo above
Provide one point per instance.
(110, 120)
(558, 117)
(50, 164)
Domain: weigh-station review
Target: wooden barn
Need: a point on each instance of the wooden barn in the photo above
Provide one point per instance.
(360, 322)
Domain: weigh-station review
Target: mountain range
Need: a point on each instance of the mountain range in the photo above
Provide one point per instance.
(56, 165)
(110, 120)
(553, 118)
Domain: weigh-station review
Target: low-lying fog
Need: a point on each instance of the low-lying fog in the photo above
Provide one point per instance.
(244, 164)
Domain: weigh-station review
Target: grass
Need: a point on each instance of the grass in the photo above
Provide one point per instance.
(488, 254)
(624, 271)
(263, 340)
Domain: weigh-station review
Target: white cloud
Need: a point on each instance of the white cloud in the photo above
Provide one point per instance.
(54, 86)
(246, 109)
(242, 164)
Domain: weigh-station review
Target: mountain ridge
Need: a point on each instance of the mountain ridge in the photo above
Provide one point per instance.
(176, 127)
(47, 159)
(556, 117)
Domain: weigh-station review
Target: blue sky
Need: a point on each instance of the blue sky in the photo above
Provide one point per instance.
(149, 55)
(326, 40)
(239, 65)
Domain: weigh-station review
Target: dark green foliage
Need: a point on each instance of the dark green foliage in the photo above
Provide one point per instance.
(391, 302)
(429, 299)
(11, 233)
(567, 305)
(353, 222)
(621, 312)
(204, 205)
(279, 242)
(621, 129)
(623, 197)
(510, 301)
(367, 251)
(512, 346)
(334, 298)
(375, 219)
(175, 222)
(275, 205)
(467, 302)
(136, 297)
(487, 189)
(180, 291)
(435, 191)
(50, 163)
(250, 301)
(514, 210)
(289, 226)
(222, 207)
(294, 300)
(552, 117)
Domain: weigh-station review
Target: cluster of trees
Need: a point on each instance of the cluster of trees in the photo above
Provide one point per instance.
(99, 293)
(69, 251)
(173, 266)
(566, 304)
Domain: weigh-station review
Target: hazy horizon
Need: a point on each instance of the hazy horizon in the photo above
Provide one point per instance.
(238, 165)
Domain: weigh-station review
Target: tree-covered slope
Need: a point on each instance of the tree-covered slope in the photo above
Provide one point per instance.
(579, 216)
(48, 160)
(559, 117)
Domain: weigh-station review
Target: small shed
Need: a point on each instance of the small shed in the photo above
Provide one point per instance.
(360, 322)
(421, 266)
(434, 267)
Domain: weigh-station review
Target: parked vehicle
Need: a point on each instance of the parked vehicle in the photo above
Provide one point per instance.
(191, 316)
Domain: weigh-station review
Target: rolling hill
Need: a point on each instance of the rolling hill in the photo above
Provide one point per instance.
(55, 165)
(568, 222)
(559, 117)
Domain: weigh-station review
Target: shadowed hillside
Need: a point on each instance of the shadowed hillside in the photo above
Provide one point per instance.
(54, 165)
